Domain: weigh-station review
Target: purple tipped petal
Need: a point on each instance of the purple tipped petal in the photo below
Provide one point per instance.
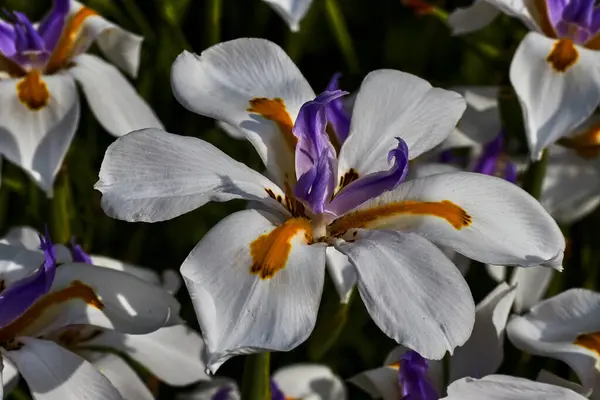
(78, 254)
(7, 39)
(21, 295)
(372, 185)
(315, 156)
(52, 25)
(276, 393)
(336, 114)
(413, 379)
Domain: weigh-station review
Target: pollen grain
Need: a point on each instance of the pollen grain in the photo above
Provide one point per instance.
(270, 251)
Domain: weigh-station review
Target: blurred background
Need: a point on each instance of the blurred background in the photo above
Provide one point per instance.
(348, 36)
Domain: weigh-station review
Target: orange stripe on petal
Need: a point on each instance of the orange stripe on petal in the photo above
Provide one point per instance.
(77, 290)
(32, 91)
(445, 209)
(270, 251)
(69, 38)
(563, 55)
(590, 341)
(274, 110)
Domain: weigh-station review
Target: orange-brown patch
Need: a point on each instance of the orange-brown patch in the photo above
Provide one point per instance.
(32, 91)
(348, 178)
(270, 251)
(274, 110)
(586, 144)
(590, 341)
(69, 39)
(445, 209)
(76, 290)
(544, 19)
(563, 55)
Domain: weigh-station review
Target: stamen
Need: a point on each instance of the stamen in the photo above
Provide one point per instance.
(32, 91)
(274, 110)
(563, 55)
(368, 218)
(77, 290)
(70, 35)
(270, 251)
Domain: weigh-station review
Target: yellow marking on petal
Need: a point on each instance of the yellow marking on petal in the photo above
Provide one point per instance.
(586, 144)
(348, 178)
(32, 91)
(270, 251)
(69, 39)
(563, 55)
(590, 341)
(274, 110)
(76, 290)
(544, 19)
(395, 366)
(445, 209)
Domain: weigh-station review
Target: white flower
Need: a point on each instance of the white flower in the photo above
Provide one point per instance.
(556, 69)
(256, 278)
(292, 11)
(39, 101)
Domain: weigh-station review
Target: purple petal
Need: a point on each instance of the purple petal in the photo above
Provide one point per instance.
(52, 25)
(7, 39)
(315, 156)
(372, 185)
(21, 295)
(579, 12)
(336, 113)
(276, 393)
(488, 160)
(78, 254)
(28, 40)
(413, 379)
(555, 11)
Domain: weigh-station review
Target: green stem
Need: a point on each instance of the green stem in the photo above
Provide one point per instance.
(19, 394)
(340, 30)
(61, 221)
(256, 380)
(534, 177)
(213, 23)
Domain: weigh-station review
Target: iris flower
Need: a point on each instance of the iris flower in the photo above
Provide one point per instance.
(256, 278)
(40, 64)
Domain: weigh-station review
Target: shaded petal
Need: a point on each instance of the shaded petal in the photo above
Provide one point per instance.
(502, 387)
(473, 18)
(412, 291)
(292, 11)
(379, 383)
(554, 101)
(337, 111)
(38, 140)
(113, 100)
(491, 315)
(9, 375)
(151, 175)
(173, 354)
(548, 377)
(342, 273)
(219, 388)
(17, 262)
(239, 311)
(315, 381)
(54, 373)
(484, 218)
(221, 82)
(532, 284)
(145, 274)
(392, 103)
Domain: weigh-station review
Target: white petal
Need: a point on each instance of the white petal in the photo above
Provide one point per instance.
(173, 354)
(481, 121)
(121, 47)
(553, 102)
(38, 140)
(487, 337)
(145, 274)
(532, 284)
(207, 390)
(54, 373)
(240, 312)
(412, 291)
(379, 383)
(130, 305)
(224, 78)
(151, 175)
(548, 377)
(501, 387)
(506, 225)
(292, 11)
(24, 236)
(393, 103)
(473, 18)
(498, 273)
(120, 374)
(17, 262)
(571, 188)
(232, 130)
(552, 326)
(113, 100)
(312, 381)
(171, 281)
(9, 375)
(422, 169)
(342, 273)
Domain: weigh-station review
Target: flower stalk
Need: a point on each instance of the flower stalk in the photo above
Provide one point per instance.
(534, 177)
(256, 378)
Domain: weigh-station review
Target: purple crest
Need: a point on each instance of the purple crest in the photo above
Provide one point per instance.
(578, 20)
(413, 379)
